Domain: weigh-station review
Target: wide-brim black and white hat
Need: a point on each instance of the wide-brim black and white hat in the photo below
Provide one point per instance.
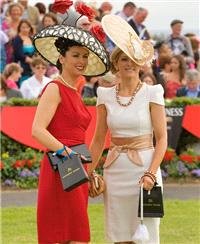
(44, 42)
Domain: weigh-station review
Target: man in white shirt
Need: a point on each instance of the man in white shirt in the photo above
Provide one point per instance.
(32, 87)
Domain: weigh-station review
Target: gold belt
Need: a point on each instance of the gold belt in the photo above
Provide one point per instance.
(131, 146)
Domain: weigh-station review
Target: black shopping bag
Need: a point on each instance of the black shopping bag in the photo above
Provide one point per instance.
(72, 172)
(152, 203)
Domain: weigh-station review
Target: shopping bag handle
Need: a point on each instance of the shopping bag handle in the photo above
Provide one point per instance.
(141, 203)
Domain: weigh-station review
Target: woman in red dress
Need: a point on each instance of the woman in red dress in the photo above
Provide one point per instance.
(176, 78)
(62, 119)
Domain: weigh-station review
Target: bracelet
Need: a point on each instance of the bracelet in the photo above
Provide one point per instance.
(150, 172)
(60, 151)
(150, 176)
(72, 153)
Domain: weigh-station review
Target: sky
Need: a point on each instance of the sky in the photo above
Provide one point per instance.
(161, 13)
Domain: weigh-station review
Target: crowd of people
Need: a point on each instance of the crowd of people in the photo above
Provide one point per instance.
(175, 66)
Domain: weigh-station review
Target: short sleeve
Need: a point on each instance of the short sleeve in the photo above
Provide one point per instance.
(100, 96)
(156, 94)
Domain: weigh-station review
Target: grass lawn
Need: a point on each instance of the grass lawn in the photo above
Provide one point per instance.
(181, 224)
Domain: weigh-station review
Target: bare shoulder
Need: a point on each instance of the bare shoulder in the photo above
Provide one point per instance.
(51, 93)
(47, 106)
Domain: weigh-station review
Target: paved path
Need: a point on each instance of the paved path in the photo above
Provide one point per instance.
(29, 197)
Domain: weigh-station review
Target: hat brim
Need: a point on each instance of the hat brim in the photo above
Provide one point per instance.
(118, 30)
(98, 61)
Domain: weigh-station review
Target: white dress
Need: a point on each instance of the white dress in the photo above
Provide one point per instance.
(122, 177)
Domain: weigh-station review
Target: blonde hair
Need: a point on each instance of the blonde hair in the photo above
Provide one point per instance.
(114, 57)
(10, 69)
(12, 5)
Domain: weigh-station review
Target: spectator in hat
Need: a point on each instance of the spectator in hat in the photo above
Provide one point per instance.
(176, 41)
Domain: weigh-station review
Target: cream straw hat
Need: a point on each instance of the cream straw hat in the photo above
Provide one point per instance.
(125, 38)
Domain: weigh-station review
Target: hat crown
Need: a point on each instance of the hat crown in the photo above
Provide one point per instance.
(71, 18)
(138, 51)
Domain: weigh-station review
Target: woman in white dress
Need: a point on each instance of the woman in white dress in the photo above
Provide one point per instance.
(132, 111)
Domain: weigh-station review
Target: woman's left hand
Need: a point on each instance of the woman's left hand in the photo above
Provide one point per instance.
(148, 183)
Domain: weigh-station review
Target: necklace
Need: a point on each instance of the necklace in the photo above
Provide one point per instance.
(66, 83)
(132, 97)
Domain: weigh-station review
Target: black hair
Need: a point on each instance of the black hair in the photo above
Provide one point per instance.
(129, 4)
(158, 44)
(63, 45)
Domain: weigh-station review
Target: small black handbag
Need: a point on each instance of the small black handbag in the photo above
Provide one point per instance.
(152, 203)
(70, 168)
(72, 172)
(80, 149)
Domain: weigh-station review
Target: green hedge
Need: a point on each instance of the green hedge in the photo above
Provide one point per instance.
(34, 102)
(176, 102)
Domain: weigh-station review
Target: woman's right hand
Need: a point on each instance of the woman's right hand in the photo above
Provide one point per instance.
(147, 182)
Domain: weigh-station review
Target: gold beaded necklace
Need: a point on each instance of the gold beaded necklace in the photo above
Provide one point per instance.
(132, 97)
(66, 83)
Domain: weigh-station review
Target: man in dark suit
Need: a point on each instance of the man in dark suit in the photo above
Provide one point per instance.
(136, 23)
(192, 89)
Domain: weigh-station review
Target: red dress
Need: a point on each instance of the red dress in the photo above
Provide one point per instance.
(171, 88)
(62, 216)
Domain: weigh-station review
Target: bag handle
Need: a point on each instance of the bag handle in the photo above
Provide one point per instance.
(141, 203)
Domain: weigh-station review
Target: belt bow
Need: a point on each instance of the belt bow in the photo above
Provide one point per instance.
(131, 150)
